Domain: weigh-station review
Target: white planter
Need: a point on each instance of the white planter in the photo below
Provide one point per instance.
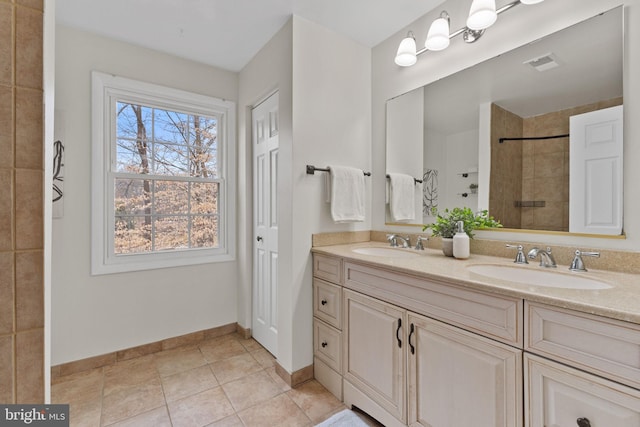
(447, 246)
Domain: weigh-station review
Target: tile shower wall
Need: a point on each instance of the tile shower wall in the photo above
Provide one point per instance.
(545, 173)
(506, 167)
(533, 170)
(21, 202)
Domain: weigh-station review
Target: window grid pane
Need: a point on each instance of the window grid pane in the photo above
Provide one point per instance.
(154, 214)
(162, 142)
(174, 214)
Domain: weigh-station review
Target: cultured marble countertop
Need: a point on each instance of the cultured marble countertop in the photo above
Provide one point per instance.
(621, 301)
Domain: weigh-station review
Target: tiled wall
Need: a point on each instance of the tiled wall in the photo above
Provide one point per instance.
(21, 202)
(533, 170)
(506, 167)
(545, 173)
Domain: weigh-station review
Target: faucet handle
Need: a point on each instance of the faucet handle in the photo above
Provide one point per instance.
(391, 238)
(577, 264)
(593, 254)
(419, 245)
(520, 258)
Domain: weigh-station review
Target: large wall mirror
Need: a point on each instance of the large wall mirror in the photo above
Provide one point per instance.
(493, 136)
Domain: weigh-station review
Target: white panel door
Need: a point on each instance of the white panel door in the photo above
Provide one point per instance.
(265, 219)
(595, 180)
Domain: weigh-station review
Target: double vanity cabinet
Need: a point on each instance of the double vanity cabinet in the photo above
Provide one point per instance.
(435, 351)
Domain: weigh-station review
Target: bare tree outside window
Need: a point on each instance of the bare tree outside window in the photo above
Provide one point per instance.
(166, 181)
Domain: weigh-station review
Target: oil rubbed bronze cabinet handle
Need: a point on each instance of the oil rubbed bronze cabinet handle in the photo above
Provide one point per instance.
(259, 238)
(583, 422)
(323, 302)
(398, 333)
(324, 344)
(411, 331)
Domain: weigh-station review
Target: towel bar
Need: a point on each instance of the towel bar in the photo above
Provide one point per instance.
(415, 180)
(534, 138)
(312, 169)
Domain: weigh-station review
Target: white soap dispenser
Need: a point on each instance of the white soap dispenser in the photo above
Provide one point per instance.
(460, 242)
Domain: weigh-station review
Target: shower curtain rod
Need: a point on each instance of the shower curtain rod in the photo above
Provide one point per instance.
(501, 140)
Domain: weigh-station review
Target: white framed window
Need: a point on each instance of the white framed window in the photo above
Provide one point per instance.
(163, 188)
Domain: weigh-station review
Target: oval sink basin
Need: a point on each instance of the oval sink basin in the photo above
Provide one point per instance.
(528, 276)
(386, 252)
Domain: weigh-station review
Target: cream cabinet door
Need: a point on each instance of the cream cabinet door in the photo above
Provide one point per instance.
(560, 396)
(457, 378)
(374, 351)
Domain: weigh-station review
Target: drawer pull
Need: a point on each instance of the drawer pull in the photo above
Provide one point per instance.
(583, 422)
(323, 302)
(324, 344)
(397, 333)
(411, 330)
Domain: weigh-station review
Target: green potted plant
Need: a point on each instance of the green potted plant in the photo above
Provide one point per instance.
(446, 222)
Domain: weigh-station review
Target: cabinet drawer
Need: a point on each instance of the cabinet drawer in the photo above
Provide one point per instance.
(327, 302)
(327, 268)
(606, 347)
(557, 395)
(493, 316)
(327, 345)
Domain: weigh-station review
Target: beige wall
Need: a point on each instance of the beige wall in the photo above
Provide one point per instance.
(331, 126)
(21, 207)
(270, 70)
(324, 84)
(95, 315)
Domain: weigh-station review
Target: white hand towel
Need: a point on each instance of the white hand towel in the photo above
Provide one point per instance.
(402, 202)
(347, 194)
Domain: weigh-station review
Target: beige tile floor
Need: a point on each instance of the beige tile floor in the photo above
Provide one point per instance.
(226, 381)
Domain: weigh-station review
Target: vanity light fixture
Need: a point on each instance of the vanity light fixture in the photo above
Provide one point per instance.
(407, 55)
(482, 15)
(438, 36)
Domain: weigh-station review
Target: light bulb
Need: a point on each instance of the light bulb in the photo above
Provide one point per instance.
(482, 14)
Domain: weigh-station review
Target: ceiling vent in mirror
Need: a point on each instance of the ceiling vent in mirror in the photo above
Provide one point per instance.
(544, 62)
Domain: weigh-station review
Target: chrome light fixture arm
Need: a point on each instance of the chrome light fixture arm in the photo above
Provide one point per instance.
(469, 35)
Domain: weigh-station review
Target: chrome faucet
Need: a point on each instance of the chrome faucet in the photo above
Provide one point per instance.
(546, 259)
(393, 240)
